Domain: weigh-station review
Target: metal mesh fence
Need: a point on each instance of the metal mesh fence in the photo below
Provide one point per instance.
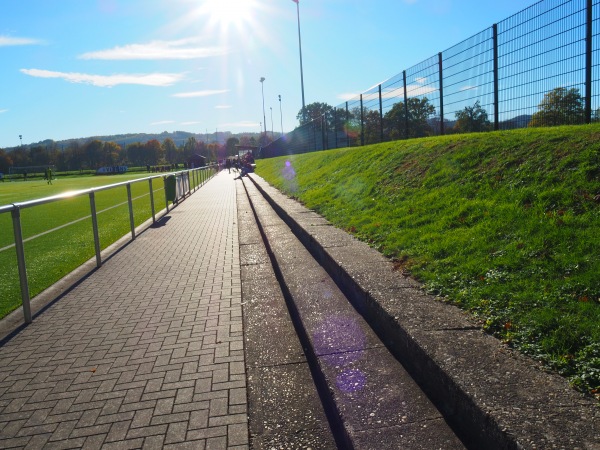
(538, 67)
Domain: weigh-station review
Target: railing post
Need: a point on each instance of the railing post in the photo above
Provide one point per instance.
(165, 189)
(441, 93)
(405, 107)
(588, 62)
(152, 200)
(95, 229)
(130, 202)
(362, 122)
(380, 116)
(16, 219)
(496, 105)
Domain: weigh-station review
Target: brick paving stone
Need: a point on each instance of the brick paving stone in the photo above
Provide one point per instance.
(145, 352)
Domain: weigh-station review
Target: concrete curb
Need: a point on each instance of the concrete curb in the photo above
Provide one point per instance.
(494, 397)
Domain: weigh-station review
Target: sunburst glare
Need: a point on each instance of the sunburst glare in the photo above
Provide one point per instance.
(227, 13)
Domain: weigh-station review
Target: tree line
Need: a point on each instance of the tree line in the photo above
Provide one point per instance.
(94, 154)
(417, 118)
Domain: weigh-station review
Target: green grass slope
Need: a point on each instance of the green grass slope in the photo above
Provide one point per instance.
(505, 225)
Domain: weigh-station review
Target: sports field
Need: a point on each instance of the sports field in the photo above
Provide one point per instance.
(58, 236)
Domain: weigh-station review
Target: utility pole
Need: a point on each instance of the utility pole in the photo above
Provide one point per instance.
(280, 114)
(262, 84)
(301, 71)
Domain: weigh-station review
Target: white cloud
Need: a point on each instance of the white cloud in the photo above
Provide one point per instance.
(348, 96)
(204, 93)
(163, 122)
(156, 50)
(242, 124)
(7, 41)
(3, 111)
(468, 88)
(223, 106)
(152, 79)
(413, 90)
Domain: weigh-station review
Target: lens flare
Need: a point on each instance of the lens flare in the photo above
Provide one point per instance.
(351, 380)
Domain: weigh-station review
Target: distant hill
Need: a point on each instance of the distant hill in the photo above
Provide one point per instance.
(179, 137)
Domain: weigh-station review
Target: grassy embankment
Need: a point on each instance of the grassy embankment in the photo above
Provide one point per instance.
(505, 225)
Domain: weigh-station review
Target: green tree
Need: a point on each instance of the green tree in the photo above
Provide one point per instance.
(20, 157)
(190, 147)
(38, 155)
(73, 156)
(94, 156)
(314, 111)
(472, 119)
(371, 124)
(112, 154)
(5, 161)
(560, 106)
(418, 110)
(171, 151)
(230, 146)
(154, 152)
(135, 154)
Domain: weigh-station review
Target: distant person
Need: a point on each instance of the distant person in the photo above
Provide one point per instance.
(228, 165)
(246, 169)
(49, 175)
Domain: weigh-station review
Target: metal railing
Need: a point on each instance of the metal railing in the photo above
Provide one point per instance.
(538, 67)
(187, 182)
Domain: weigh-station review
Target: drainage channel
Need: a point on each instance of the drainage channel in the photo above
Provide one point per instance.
(370, 401)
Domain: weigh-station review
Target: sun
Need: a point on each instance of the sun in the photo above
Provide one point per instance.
(229, 13)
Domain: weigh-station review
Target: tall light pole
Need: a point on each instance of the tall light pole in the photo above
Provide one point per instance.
(262, 83)
(21, 137)
(297, 2)
(271, 108)
(280, 114)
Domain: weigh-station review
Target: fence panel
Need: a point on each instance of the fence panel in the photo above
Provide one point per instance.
(469, 84)
(392, 102)
(539, 49)
(539, 67)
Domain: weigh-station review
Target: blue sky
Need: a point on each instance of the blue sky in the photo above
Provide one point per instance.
(78, 68)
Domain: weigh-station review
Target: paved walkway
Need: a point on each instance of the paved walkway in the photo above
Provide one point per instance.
(147, 352)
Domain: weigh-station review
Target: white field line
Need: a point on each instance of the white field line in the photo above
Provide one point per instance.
(71, 223)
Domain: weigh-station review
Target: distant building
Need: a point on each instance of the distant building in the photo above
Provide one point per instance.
(196, 160)
(243, 149)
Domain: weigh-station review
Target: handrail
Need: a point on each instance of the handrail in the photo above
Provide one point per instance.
(71, 194)
(183, 189)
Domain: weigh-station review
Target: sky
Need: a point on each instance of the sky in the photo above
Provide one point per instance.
(80, 68)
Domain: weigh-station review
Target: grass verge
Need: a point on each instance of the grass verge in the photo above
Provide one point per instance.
(503, 224)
